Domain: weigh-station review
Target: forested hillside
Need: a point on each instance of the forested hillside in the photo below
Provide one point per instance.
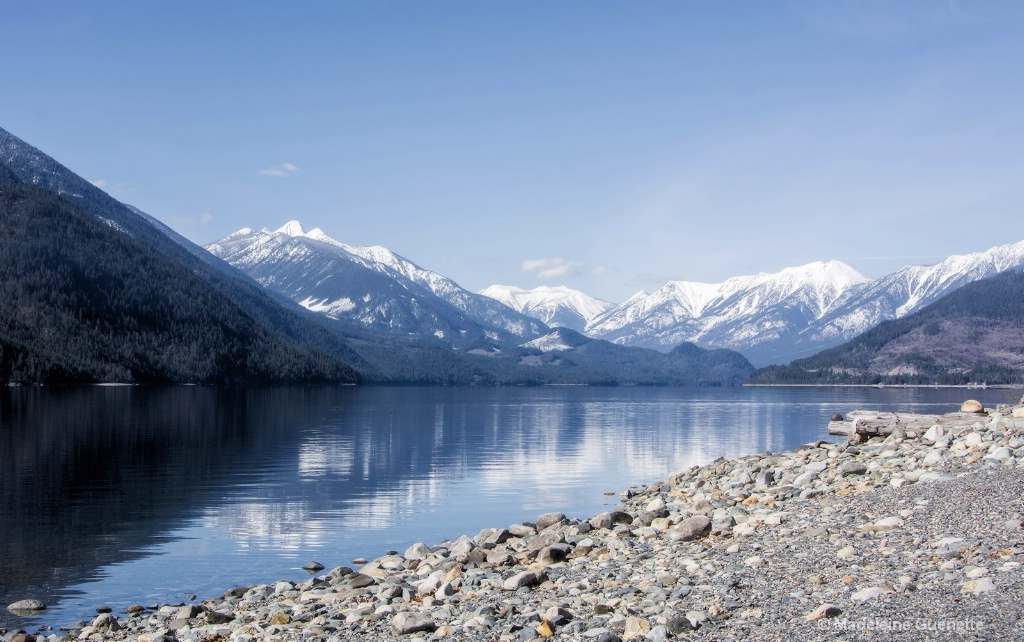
(974, 335)
(81, 301)
(579, 361)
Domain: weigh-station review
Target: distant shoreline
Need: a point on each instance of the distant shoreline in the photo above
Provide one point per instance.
(967, 386)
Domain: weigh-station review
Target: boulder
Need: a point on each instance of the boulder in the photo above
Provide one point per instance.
(412, 622)
(691, 528)
(972, 405)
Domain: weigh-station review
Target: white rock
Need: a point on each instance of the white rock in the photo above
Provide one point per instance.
(1000, 454)
(868, 593)
(979, 586)
(846, 553)
(656, 505)
(805, 479)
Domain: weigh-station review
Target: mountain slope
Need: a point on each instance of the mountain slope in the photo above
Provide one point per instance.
(685, 365)
(973, 335)
(24, 163)
(369, 286)
(903, 292)
(755, 315)
(80, 301)
(555, 306)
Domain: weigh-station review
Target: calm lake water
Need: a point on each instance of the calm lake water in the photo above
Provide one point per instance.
(117, 496)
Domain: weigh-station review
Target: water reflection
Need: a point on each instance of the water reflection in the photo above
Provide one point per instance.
(122, 495)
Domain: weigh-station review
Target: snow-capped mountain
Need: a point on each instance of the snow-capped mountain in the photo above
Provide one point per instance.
(741, 313)
(556, 306)
(904, 292)
(371, 286)
(797, 312)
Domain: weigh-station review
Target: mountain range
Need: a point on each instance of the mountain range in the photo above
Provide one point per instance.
(972, 335)
(399, 316)
(396, 322)
(769, 318)
(775, 318)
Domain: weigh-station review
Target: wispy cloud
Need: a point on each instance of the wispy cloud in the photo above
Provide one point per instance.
(556, 267)
(279, 171)
(192, 221)
(117, 189)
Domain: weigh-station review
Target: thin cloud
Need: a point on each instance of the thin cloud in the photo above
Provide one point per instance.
(553, 268)
(119, 189)
(279, 171)
(192, 221)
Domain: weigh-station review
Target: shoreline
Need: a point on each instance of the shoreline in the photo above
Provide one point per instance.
(965, 386)
(815, 543)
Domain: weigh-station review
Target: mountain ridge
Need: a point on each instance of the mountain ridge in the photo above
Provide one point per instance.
(370, 286)
(972, 335)
(556, 306)
(798, 311)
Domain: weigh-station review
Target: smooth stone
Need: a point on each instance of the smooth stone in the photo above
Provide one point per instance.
(417, 551)
(106, 623)
(979, 586)
(804, 479)
(656, 505)
(852, 468)
(522, 530)
(525, 578)
(690, 528)
(868, 593)
(609, 520)
(313, 566)
(824, 611)
(972, 405)
(934, 433)
(412, 622)
(26, 605)
(217, 617)
(548, 520)
(636, 628)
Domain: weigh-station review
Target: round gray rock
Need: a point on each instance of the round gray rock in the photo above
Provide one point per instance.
(26, 605)
(691, 528)
(412, 622)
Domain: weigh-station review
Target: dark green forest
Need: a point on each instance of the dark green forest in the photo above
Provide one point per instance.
(81, 301)
(973, 335)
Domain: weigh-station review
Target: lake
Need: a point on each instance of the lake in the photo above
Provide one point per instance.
(133, 495)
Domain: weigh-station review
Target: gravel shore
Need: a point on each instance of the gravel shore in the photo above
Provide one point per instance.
(915, 537)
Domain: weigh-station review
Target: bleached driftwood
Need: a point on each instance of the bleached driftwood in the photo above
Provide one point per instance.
(863, 424)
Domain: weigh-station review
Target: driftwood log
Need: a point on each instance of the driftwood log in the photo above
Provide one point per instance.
(864, 424)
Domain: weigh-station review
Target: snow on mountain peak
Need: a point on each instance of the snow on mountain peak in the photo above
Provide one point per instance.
(554, 305)
(291, 228)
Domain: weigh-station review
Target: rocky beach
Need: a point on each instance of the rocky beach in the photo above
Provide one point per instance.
(914, 535)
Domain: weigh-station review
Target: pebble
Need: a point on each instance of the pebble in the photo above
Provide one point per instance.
(925, 530)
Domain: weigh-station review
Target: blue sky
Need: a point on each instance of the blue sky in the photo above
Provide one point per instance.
(607, 146)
